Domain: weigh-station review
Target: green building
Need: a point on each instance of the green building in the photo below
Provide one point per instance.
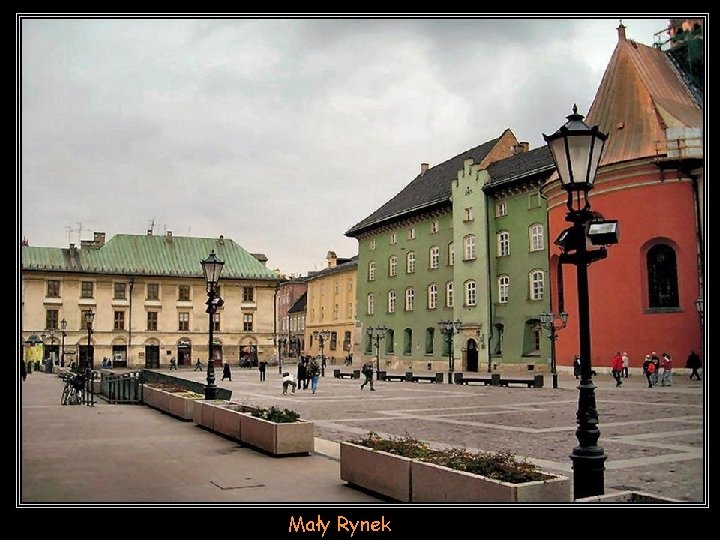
(430, 254)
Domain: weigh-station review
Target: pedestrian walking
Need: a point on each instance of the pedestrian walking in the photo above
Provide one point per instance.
(301, 369)
(617, 368)
(694, 363)
(198, 365)
(656, 362)
(23, 370)
(226, 372)
(576, 366)
(367, 370)
(667, 364)
(288, 381)
(625, 365)
(649, 369)
(262, 367)
(173, 364)
(313, 372)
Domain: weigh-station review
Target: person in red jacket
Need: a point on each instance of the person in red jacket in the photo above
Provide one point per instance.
(617, 367)
(667, 365)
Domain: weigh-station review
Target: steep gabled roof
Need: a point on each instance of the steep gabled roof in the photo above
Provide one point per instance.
(148, 255)
(639, 97)
(520, 166)
(300, 304)
(426, 190)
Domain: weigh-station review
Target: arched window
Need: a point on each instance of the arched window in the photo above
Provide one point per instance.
(537, 284)
(537, 237)
(371, 303)
(371, 271)
(503, 243)
(392, 266)
(410, 262)
(390, 341)
(409, 299)
(451, 254)
(449, 297)
(470, 290)
(429, 338)
(503, 289)
(432, 296)
(391, 302)
(434, 257)
(469, 247)
(662, 277)
(407, 341)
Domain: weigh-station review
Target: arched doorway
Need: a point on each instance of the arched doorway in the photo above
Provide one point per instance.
(248, 353)
(184, 352)
(472, 355)
(119, 353)
(152, 354)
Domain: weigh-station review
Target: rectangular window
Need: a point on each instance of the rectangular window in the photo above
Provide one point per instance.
(393, 238)
(333, 341)
(83, 323)
(51, 318)
(86, 289)
(184, 321)
(119, 320)
(53, 288)
(411, 233)
(322, 313)
(184, 292)
(216, 322)
(500, 208)
(347, 342)
(153, 291)
(247, 322)
(152, 320)
(372, 244)
(119, 291)
(336, 312)
(435, 227)
(248, 294)
(534, 200)
(468, 214)
(349, 311)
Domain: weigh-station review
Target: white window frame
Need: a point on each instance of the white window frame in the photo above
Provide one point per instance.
(371, 304)
(432, 296)
(409, 299)
(451, 254)
(470, 293)
(503, 243)
(435, 257)
(449, 294)
(469, 247)
(503, 289)
(536, 279)
(371, 271)
(411, 233)
(410, 263)
(392, 299)
(392, 266)
(536, 234)
(500, 208)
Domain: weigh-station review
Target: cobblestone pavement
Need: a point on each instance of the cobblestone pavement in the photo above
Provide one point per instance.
(654, 438)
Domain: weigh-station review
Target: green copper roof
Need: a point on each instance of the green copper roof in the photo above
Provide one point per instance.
(149, 256)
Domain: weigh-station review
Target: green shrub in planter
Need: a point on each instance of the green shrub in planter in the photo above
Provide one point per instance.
(279, 416)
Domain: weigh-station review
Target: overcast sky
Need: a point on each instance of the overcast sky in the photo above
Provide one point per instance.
(280, 134)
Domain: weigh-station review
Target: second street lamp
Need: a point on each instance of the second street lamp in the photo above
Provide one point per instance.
(376, 333)
(63, 327)
(547, 320)
(322, 336)
(89, 317)
(212, 268)
(449, 329)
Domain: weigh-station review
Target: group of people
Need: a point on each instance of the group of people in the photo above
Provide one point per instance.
(308, 374)
(651, 369)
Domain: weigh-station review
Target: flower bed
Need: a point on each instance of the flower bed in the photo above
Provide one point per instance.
(409, 470)
(170, 399)
(279, 432)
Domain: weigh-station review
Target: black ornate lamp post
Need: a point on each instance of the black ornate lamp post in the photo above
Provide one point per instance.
(377, 333)
(63, 327)
(89, 361)
(322, 336)
(576, 150)
(547, 320)
(212, 268)
(51, 335)
(449, 329)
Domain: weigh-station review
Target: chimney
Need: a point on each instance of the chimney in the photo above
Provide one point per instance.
(520, 148)
(423, 168)
(221, 240)
(99, 239)
(621, 32)
(168, 236)
(149, 232)
(331, 259)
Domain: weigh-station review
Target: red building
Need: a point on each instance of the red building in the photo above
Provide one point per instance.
(643, 296)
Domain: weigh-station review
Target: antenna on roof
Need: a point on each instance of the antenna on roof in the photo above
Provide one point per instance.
(151, 226)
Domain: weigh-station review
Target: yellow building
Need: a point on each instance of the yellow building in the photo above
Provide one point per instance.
(148, 294)
(331, 310)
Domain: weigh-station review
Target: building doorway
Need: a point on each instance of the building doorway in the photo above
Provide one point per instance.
(152, 356)
(86, 356)
(472, 356)
(184, 352)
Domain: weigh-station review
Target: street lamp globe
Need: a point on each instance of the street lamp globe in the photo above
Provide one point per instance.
(212, 268)
(89, 318)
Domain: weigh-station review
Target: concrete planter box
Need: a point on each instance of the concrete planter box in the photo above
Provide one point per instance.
(277, 439)
(435, 483)
(204, 412)
(383, 473)
(182, 404)
(227, 419)
(155, 398)
(409, 480)
(627, 497)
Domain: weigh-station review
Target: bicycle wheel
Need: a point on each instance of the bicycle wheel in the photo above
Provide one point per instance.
(65, 395)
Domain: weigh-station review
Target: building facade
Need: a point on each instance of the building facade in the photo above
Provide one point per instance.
(148, 297)
(331, 308)
(289, 328)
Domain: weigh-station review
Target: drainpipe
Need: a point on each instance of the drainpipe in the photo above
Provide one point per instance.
(488, 282)
(127, 360)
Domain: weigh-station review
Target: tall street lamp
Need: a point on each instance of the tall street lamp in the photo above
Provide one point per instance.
(449, 329)
(212, 268)
(377, 333)
(63, 327)
(576, 150)
(322, 336)
(547, 320)
(51, 335)
(89, 361)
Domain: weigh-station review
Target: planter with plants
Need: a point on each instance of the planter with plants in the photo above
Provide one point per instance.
(277, 431)
(227, 417)
(170, 399)
(181, 404)
(204, 412)
(409, 470)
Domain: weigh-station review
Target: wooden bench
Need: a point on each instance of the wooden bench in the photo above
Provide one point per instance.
(354, 374)
(437, 378)
(493, 380)
(391, 377)
(538, 381)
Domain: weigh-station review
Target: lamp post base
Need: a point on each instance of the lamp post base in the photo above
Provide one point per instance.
(588, 472)
(211, 392)
(555, 380)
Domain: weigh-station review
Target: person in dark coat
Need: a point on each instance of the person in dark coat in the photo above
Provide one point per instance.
(23, 369)
(301, 373)
(226, 372)
(576, 366)
(694, 363)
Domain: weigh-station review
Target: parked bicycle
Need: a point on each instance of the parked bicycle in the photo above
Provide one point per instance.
(74, 390)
